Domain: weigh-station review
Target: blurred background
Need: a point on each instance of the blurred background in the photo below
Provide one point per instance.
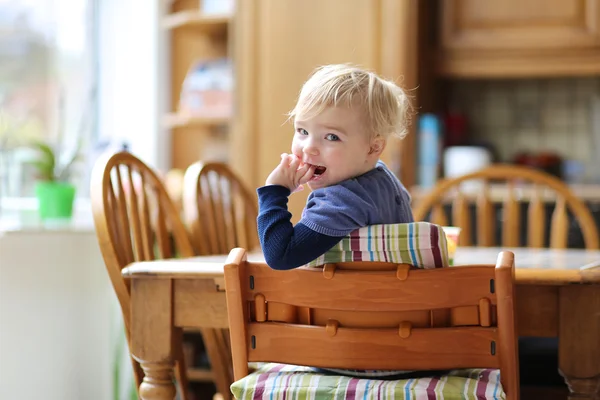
(177, 81)
(182, 80)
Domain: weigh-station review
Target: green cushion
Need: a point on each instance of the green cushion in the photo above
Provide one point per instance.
(285, 382)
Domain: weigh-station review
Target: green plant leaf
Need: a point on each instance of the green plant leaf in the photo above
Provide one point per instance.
(45, 162)
(45, 171)
(45, 150)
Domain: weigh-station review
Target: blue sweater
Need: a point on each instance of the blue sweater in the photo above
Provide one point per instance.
(331, 213)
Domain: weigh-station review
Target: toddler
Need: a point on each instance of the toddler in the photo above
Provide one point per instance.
(342, 120)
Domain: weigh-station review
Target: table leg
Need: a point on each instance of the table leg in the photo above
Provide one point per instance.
(152, 336)
(579, 340)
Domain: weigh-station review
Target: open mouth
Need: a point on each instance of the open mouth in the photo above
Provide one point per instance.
(320, 170)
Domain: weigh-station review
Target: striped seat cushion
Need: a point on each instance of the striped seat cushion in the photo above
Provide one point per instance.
(420, 244)
(283, 382)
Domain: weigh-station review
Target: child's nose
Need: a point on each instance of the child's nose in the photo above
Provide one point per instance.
(311, 150)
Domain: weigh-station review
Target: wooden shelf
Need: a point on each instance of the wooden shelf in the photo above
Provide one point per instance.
(175, 120)
(215, 24)
(200, 375)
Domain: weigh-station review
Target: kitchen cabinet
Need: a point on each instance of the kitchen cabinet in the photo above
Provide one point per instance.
(518, 38)
(277, 44)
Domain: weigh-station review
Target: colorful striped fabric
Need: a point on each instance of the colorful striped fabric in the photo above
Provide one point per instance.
(420, 244)
(289, 382)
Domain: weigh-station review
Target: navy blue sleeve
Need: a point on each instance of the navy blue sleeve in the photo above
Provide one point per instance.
(286, 246)
(339, 209)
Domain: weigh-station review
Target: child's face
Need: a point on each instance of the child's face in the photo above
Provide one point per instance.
(337, 142)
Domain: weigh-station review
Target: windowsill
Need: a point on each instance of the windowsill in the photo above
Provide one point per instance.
(21, 215)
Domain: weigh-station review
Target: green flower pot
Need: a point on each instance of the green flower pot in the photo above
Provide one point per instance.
(55, 199)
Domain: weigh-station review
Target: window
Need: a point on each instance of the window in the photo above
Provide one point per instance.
(48, 85)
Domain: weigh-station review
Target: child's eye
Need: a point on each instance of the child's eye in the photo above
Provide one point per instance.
(332, 137)
(302, 131)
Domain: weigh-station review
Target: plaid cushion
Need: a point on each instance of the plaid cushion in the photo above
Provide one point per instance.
(420, 244)
(281, 382)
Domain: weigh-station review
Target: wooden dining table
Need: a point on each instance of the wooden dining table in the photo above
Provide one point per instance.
(558, 295)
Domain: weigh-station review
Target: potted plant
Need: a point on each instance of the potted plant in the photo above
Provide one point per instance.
(55, 166)
(54, 190)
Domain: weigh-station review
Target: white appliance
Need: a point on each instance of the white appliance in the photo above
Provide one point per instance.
(462, 160)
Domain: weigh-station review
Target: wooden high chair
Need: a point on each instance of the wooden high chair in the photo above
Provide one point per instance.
(539, 182)
(370, 317)
(219, 210)
(136, 221)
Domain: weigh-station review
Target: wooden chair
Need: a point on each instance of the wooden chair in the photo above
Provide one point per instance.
(541, 184)
(219, 210)
(136, 221)
(220, 213)
(334, 317)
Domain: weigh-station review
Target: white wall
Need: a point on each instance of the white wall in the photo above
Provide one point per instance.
(57, 313)
(132, 92)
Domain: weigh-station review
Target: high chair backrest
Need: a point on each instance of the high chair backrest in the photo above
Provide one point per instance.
(219, 210)
(332, 317)
(540, 188)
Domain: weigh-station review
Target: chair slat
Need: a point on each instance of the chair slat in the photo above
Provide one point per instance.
(536, 219)
(243, 226)
(219, 206)
(146, 223)
(115, 226)
(422, 349)
(230, 217)
(162, 234)
(512, 216)
(395, 294)
(560, 225)
(132, 200)
(208, 211)
(124, 218)
(462, 218)
(486, 219)
(438, 215)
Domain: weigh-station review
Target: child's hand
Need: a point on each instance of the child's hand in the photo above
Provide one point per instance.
(291, 173)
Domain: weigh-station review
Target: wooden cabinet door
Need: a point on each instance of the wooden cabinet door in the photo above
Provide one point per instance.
(520, 24)
(278, 43)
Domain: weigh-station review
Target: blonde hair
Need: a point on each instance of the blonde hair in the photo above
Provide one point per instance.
(385, 105)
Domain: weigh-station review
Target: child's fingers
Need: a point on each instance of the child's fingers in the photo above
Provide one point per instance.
(300, 162)
(295, 163)
(285, 159)
(307, 175)
(301, 170)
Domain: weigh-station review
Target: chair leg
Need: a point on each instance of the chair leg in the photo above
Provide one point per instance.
(138, 374)
(226, 346)
(218, 356)
(180, 367)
